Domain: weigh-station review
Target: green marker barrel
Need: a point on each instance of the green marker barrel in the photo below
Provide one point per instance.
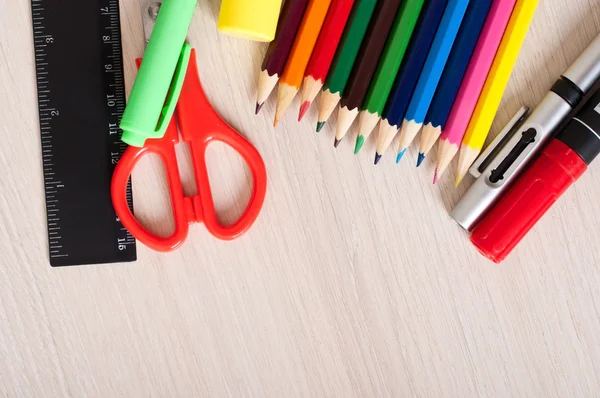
(161, 74)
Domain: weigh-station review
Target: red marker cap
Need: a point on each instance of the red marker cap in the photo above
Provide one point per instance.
(560, 164)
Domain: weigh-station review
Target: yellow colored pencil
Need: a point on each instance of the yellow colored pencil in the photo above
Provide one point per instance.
(495, 85)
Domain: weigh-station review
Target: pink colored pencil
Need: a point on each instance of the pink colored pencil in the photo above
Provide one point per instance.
(473, 82)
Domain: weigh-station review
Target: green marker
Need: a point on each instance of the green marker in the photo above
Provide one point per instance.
(345, 58)
(388, 68)
(158, 84)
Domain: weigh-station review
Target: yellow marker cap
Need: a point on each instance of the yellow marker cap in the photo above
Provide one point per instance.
(250, 19)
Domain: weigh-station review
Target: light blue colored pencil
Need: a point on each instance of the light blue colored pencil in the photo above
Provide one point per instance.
(432, 72)
(455, 70)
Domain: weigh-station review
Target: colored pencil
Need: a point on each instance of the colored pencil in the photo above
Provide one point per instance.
(496, 83)
(345, 58)
(366, 63)
(322, 56)
(405, 82)
(279, 49)
(388, 67)
(300, 55)
(432, 72)
(472, 84)
(453, 74)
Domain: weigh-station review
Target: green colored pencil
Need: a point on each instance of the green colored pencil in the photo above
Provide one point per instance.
(345, 58)
(389, 65)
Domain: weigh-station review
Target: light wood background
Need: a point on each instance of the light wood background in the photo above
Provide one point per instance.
(353, 283)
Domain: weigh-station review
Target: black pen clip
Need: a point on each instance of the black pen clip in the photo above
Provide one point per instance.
(498, 144)
(527, 138)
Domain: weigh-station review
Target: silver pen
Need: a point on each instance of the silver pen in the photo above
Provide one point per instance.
(503, 161)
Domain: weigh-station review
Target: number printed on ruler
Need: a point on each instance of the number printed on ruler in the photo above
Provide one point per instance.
(98, 38)
(115, 101)
(42, 42)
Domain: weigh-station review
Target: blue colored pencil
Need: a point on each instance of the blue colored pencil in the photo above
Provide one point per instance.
(432, 72)
(407, 78)
(455, 70)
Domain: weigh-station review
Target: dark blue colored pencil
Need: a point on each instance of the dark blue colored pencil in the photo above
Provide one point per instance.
(406, 81)
(455, 70)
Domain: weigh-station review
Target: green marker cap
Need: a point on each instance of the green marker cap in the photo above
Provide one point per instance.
(160, 78)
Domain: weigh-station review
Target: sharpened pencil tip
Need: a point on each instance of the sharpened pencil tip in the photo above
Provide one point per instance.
(420, 159)
(360, 140)
(275, 122)
(458, 180)
(336, 142)
(258, 108)
(320, 126)
(377, 158)
(435, 177)
(400, 155)
(303, 108)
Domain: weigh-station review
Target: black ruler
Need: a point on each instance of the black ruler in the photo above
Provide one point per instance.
(81, 96)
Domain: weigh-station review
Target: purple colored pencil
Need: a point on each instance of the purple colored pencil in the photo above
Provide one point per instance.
(279, 50)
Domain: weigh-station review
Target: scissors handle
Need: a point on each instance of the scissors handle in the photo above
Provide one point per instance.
(200, 126)
(183, 213)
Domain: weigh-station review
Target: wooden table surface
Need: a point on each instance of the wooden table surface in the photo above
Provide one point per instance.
(354, 282)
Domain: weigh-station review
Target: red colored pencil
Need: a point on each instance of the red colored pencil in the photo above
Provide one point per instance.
(322, 56)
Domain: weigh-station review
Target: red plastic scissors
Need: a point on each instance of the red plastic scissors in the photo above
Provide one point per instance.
(200, 126)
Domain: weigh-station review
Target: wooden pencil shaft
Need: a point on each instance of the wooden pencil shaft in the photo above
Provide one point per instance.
(329, 38)
(478, 70)
(305, 41)
(436, 60)
(350, 44)
(372, 47)
(279, 49)
(407, 78)
(392, 57)
(457, 64)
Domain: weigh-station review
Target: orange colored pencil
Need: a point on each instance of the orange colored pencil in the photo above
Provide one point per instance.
(324, 51)
(307, 36)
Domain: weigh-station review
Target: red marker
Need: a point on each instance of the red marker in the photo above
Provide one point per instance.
(560, 164)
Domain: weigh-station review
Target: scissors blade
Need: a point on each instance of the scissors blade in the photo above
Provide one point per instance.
(149, 14)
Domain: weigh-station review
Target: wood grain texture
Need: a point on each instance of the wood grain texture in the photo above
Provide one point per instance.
(353, 283)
